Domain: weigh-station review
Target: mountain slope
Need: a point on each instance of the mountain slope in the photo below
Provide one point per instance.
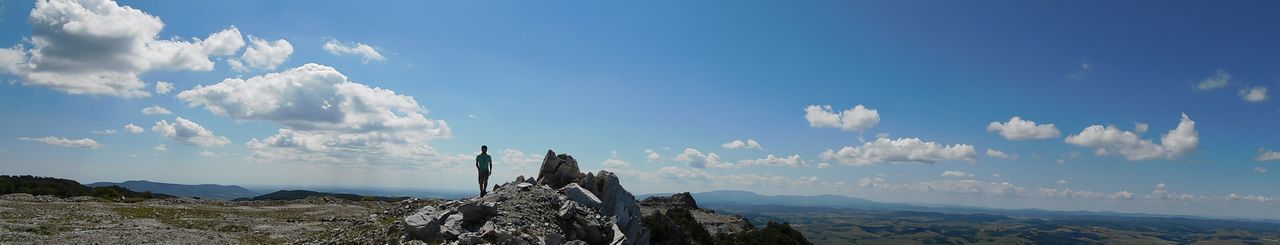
(209, 191)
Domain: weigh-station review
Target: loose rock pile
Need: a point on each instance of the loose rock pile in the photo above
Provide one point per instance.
(561, 206)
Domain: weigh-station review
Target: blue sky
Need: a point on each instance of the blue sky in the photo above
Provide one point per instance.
(613, 81)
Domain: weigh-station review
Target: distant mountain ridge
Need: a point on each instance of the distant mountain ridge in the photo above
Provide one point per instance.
(208, 191)
(288, 195)
(752, 198)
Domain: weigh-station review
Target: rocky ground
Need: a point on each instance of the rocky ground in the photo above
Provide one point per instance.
(88, 220)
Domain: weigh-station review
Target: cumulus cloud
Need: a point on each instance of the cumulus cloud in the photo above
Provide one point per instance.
(739, 144)
(160, 147)
(188, 132)
(1062, 181)
(163, 87)
(1068, 193)
(1267, 155)
(133, 128)
(1254, 94)
(104, 131)
(325, 117)
(155, 110)
(1111, 139)
(1219, 79)
(953, 173)
(86, 143)
(518, 160)
(1140, 127)
(1260, 169)
(824, 165)
(771, 160)
(613, 162)
(997, 153)
(367, 53)
(97, 47)
(1018, 129)
(697, 159)
(859, 118)
(262, 54)
(208, 154)
(652, 156)
(681, 174)
(906, 150)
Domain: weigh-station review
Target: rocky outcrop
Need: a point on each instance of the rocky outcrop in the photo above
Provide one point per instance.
(558, 170)
(712, 222)
(618, 203)
(678, 200)
(560, 206)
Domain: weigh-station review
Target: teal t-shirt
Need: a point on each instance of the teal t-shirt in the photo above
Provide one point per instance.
(483, 161)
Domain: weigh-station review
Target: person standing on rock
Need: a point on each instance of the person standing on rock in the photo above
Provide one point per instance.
(484, 163)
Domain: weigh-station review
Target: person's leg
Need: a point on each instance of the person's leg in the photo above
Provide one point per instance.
(481, 181)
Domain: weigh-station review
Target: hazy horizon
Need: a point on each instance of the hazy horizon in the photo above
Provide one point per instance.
(1102, 106)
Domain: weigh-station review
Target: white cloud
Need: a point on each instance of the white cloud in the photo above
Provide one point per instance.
(97, 47)
(163, 87)
(1267, 155)
(1219, 79)
(859, 118)
(1068, 193)
(824, 165)
(59, 141)
(262, 54)
(906, 150)
(518, 160)
(953, 173)
(155, 110)
(652, 156)
(133, 128)
(1062, 181)
(161, 147)
(997, 153)
(1260, 169)
(188, 132)
(1178, 141)
(1018, 129)
(613, 162)
(681, 174)
(104, 131)
(697, 159)
(771, 160)
(1254, 94)
(739, 144)
(367, 53)
(326, 117)
(1122, 195)
(1140, 127)
(1084, 70)
(208, 154)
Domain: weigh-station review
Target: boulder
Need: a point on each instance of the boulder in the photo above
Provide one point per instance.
(474, 212)
(558, 170)
(426, 224)
(578, 222)
(580, 195)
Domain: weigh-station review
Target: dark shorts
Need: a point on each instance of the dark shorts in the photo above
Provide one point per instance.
(484, 176)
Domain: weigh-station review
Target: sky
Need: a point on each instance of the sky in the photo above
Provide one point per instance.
(1084, 105)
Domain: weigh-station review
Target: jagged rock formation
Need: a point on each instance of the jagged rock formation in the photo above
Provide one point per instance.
(561, 206)
(678, 200)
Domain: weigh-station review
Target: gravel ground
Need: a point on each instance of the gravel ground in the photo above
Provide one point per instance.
(26, 219)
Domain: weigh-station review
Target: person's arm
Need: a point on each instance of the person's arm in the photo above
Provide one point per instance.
(477, 162)
(490, 164)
